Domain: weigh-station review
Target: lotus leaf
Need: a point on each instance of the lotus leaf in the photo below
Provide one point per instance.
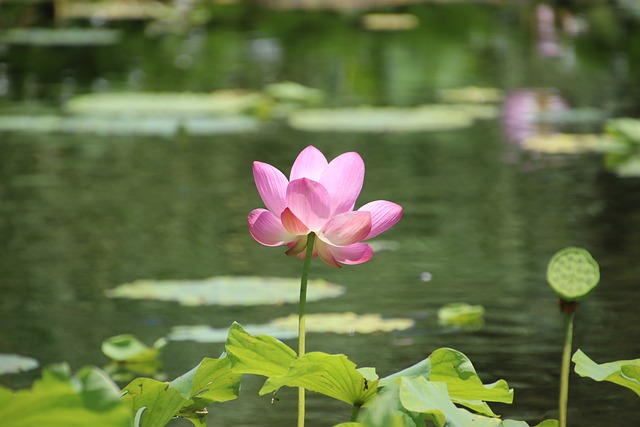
(287, 327)
(129, 125)
(333, 375)
(625, 129)
(59, 400)
(61, 36)
(156, 403)
(471, 94)
(14, 363)
(179, 104)
(226, 290)
(383, 119)
(628, 168)
(622, 372)
(563, 143)
(567, 116)
(345, 323)
(293, 92)
(390, 21)
(461, 314)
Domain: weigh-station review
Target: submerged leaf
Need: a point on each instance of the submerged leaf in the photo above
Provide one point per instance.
(226, 290)
(622, 372)
(14, 363)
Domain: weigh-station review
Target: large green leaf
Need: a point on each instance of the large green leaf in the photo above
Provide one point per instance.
(332, 375)
(58, 400)
(157, 402)
(464, 386)
(432, 399)
(260, 355)
(226, 290)
(622, 372)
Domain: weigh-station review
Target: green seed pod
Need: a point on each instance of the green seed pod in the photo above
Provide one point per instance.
(573, 273)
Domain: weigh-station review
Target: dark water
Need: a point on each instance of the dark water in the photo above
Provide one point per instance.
(80, 214)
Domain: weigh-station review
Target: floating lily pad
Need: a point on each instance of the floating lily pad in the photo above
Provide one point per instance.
(123, 126)
(14, 363)
(563, 143)
(119, 10)
(573, 273)
(571, 116)
(226, 290)
(471, 94)
(293, 92)
(61, 36)
(287, 327)
(383, 119)
(461, 314)
(179, 104)
(390, 21)
(345, 323)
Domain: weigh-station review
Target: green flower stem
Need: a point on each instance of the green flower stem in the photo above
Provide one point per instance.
(566, 359)
(301, 318)
(354, 413)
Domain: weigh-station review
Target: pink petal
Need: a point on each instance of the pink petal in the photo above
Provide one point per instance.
(346, 228)
(292, 224)
(384, 215)
(324, 252)
(267, 229)
(272, 186)
(309, 202)
(343, 179)
(352, 254)
(310, 163)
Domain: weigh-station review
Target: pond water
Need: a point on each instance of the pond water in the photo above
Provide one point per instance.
(82, 213)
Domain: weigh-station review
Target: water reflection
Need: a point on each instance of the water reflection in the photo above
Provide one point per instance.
(523, 109)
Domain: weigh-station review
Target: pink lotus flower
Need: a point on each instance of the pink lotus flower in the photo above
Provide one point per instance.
(319, 198)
